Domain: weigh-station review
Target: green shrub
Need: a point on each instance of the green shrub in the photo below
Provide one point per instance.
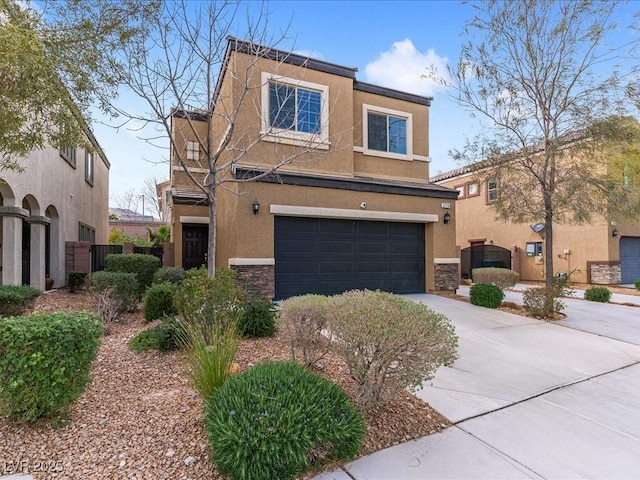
(76, 280)
(486, 295)
(14, 299)
(158, 301)
(45, 360)
(173, 275)
(542, 302)
(637, 284)
(598, 294)
(305, 319)
(123, 288)
(389, 343)
(258, 319)
(144, 266)
(279, 420)
(202, 300)
(209, 353)
(164, 337)
(502, 277)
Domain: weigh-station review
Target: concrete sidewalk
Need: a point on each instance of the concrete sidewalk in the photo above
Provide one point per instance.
(529, 399)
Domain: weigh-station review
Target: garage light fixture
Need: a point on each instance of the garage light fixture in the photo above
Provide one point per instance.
(256, 206)
(615, 232)
(447, 218)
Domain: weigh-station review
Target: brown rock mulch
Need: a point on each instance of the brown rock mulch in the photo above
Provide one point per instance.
(141, 419)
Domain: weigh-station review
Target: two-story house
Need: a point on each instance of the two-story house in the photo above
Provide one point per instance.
(606, 251)
(61, 195)
(356, 210)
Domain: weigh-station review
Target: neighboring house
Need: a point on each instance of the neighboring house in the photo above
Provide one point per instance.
(61, 196)
(605, 251)
(132, 223)
(358, 212)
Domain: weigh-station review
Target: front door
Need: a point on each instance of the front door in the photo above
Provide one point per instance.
(194, 245)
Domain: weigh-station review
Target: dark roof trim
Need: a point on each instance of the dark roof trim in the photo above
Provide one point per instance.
(389, 92)
(191, 114)
(182, 196)
(354, 184)
(243, 46)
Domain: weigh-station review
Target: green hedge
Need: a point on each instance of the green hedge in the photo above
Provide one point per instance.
(76, 280)
(158, 301)
(167, 336)
(598, 294)
(486, 295)
(123, 286)
(15, 298)
(277, 421)
(258, 319)
(45, 360)
(173, 275)
(144, 266)
(502, 277)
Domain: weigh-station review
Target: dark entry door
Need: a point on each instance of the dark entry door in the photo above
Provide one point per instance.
(26, 253)
(328, 256)
(194, 245)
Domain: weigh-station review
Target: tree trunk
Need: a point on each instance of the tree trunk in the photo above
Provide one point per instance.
(211, 244)
(550, 294)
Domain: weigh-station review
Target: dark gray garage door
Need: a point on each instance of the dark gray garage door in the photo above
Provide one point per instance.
(630, 259)
(327, 256)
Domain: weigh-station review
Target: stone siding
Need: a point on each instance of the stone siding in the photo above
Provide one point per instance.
(257, 279)
(604, 273)
(446, 276)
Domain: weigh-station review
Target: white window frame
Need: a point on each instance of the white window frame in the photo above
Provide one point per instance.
(492, 190)
(193, 150)
(366, 109)
(280, 135)
(89, 162)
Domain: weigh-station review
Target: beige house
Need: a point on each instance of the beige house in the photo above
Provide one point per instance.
(354, 210)
(603, 252)
(61, 196)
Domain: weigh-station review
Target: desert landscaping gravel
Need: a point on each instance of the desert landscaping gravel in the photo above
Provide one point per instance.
(141, 419)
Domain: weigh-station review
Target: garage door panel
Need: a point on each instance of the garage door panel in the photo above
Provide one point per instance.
(630, 259)
(335, 246)
(339, 255)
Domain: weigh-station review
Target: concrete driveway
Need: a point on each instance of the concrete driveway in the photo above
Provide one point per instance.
(529, 399)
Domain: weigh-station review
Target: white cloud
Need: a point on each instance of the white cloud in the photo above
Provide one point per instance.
(404, 68)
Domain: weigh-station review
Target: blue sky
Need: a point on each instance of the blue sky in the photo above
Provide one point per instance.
(390, 42)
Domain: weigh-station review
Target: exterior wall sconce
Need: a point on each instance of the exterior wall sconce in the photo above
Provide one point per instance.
(615, 232)
(447, 218)
(256, 206)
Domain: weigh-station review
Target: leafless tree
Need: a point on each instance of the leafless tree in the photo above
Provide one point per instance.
(176, 72)
(542, 76)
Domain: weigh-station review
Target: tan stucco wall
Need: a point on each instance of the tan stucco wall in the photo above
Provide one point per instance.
(589, 242)
(254, 234)
(51, 181)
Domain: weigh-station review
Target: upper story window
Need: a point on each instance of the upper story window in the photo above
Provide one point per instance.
(294, 111)
(69, 154)
(387, 133)
(88, 167)
(460, 189)
(492, 190)
(473, 189)
(193, 150)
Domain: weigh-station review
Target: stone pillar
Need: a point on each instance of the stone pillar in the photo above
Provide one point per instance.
(446, 276)
(12, 244)
(38, 246)
(256, 275)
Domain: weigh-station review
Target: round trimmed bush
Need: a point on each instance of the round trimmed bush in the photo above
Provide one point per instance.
(278, 420)
(258, 319)
(637, 284)
(173, 275)
(486, 295)
(597, 294)
(158, 301)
